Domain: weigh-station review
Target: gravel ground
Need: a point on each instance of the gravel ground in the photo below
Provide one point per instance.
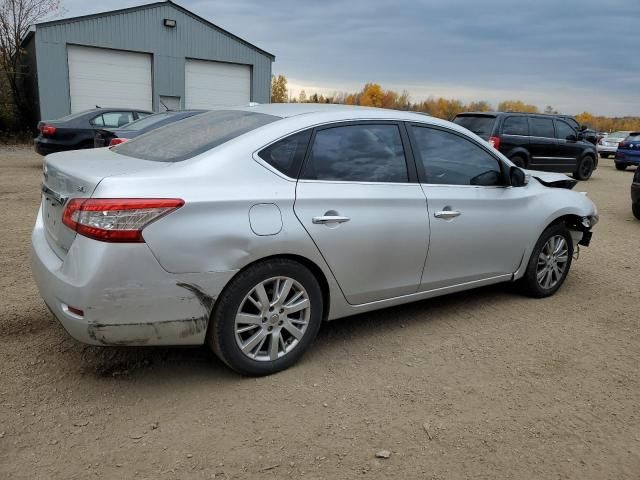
(484, 384)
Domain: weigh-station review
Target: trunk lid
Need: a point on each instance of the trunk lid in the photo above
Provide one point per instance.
(76, 174)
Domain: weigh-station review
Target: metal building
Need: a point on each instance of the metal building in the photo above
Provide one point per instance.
(153, 57)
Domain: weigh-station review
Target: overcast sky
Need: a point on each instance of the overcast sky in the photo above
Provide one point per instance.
(575, 55)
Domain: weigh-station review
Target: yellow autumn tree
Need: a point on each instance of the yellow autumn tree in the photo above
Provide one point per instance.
(372, 95)
(517, 106)
(278, 89)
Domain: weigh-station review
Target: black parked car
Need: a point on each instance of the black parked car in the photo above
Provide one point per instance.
(535, 141)
(635, 194)
(77, 130)
(106, 137)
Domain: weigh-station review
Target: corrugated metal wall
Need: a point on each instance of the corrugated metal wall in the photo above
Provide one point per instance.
(142, 30)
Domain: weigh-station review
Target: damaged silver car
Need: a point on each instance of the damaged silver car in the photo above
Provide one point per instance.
(245, 228)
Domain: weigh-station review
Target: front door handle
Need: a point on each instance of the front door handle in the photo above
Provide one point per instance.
(329, 219)
(447, 214)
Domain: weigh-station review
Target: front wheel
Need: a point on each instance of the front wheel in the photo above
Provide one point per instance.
(585, 168)
(266, 317)
(549, 263)
(621, 166)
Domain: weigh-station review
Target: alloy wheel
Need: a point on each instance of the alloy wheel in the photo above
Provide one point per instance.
(552, 262)
(272, 319)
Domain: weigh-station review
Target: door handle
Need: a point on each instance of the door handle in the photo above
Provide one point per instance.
(329, 219)
(447, 214)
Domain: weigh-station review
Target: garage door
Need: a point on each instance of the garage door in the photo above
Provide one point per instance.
(108, 78)
(211, 85)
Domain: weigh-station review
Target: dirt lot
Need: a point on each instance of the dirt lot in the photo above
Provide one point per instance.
(485, 384)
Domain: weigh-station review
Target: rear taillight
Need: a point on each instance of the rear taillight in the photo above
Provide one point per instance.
(117, 141)
(48, 130)
(621, 144)
(116, 219)
(494, 142)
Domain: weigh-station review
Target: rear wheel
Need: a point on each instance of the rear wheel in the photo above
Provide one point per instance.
(585, 168)
(519, 161)
(266, 317)
(621, 166)
(635, 207)
(549, 263)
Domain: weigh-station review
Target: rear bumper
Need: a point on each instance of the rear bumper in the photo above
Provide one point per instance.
(629, 159)
(606, 149)
(44, 146)
(126, 297)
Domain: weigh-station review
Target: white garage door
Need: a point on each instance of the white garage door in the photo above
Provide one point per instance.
(212, 85)
(109, 78)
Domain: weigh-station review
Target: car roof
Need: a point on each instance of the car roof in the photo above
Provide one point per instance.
(337, 111)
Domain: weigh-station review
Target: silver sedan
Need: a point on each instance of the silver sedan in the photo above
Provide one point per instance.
(246, 228)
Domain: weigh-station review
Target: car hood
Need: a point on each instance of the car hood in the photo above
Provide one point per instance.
(551, 179)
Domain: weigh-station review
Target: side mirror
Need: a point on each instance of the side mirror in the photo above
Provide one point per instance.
(572, 138)
(517, 177)
(583, 128)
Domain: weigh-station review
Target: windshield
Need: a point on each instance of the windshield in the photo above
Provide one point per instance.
(190, 137)
(481, 125)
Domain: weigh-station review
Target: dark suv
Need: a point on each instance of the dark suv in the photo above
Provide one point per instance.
(535, 141)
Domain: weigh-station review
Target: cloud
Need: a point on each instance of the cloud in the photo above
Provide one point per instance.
(574, 54)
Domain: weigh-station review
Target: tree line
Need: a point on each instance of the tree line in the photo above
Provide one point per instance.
(373, 95)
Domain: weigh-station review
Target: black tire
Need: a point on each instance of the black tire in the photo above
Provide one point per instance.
(621, 166)
(635, 208)
(221, 335)
(519, 161)
(585, 168)
(529, 282)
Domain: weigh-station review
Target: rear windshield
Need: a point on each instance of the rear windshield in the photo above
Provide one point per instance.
(633, 136)
(190, 137)
(620, 134)
(481, 125)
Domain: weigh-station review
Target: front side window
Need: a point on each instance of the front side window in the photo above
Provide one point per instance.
(563, 130)
(286, 155)
(357, 153)
(450, 159)
(516, 126)
(541, 127)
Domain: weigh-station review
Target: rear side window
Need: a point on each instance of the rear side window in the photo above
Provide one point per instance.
(541, 127)
(481, 125)
(563, 130)
(195, 135)
(287, 155)
(357, 153)
(450, 159)
(515, 126)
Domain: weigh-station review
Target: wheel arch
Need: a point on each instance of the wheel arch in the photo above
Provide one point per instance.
(520, 152)
(304, 261)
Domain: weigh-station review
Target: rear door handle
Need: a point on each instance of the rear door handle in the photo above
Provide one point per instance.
(329, 219)
(446, 214)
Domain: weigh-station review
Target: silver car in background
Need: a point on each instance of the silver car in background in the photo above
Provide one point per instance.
(245, 228)
(607, 146)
